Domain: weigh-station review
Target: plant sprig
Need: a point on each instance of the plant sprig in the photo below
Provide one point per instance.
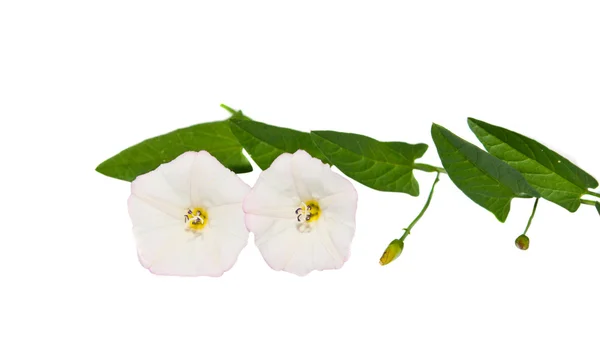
(511, 166)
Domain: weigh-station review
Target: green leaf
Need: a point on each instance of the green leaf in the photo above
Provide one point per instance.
(556, 179)
(488, 181)
(378, 165)
(410, 151)
(214, 137)
(598, 207)
(266, 142)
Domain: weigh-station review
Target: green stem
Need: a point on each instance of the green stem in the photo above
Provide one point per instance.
(407, 230)
(588, 202)
(429, 168)
(228, 109)
(532, 215)
(591, 193)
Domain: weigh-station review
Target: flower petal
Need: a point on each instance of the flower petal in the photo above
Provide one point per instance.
(146, 215)
(318, 179)
(277, 239)
(307, 172)
(213, 184)
(228, 229)
(285, 248)
(168, 186)
(339, 232)
(339, 215)
(170, 250)
(274, 193)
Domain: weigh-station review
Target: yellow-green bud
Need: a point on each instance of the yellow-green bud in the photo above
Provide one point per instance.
(522, 242)
(392, 252)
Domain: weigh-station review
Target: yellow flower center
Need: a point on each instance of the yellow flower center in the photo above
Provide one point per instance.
(195, 219)
(307, 213)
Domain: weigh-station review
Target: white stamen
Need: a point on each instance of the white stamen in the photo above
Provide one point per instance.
(196, 218)
(303, 214)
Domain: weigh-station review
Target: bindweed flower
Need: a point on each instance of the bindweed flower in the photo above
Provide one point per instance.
(302, 215)
(392, 252)
(187, 216)
(522, 242)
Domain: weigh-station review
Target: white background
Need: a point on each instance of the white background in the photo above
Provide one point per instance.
(82, 80)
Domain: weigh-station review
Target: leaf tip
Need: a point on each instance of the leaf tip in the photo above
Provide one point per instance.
(472, 122)
(415, 191)
(502, 215)
(101, 168)
(420, 150)
(436, 128)
(104, 168)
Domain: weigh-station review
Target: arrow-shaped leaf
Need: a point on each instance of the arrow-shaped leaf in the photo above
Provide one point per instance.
(266, 142)
(379, 165)
(214, 137)
(556, 179)
(488, 181)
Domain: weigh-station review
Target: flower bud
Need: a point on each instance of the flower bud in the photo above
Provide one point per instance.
(522, 242)
(392, 252)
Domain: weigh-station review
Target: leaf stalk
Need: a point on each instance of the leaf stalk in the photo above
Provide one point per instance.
(532, 215)
(429, 168)
(588, 202)
(591, 193)
(414, 222)
(229, 109)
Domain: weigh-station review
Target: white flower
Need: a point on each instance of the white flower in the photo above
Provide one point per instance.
(302, 215)
(187, 216)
